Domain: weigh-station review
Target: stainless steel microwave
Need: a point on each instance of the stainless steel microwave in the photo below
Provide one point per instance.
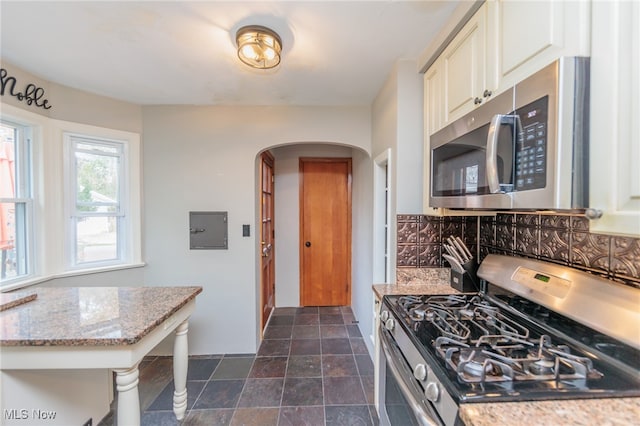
(525, 149)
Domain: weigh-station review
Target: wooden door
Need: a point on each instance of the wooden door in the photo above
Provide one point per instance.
(325, 231)
(267, 235)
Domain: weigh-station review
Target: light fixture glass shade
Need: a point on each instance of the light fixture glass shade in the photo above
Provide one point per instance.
(258, 47)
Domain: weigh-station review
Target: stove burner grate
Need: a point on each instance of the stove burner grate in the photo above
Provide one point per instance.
(504, 358)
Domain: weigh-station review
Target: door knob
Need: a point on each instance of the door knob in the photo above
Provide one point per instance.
(307, 244)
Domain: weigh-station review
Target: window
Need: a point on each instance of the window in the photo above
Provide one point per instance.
(16, 202)
(97, 202)
(70, 199)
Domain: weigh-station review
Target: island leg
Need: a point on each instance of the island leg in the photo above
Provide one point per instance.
(128, 399)
(180, 366)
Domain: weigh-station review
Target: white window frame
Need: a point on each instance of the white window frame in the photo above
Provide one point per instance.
(49, 216)
(25, 194)
(71, 140)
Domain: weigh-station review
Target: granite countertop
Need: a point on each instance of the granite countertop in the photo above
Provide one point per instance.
(605, 411)
(417, 281)
(86, 316)
(402, 289)
(11, 300)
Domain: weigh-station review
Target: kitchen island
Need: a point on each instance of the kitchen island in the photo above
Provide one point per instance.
(54, 342)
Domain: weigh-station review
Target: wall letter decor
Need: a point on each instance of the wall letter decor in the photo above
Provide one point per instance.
(32, 94)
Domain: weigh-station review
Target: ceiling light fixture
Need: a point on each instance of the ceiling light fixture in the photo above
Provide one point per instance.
(259, 47)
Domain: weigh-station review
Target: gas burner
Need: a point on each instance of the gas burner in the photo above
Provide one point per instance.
(496, 358)
(541, 367)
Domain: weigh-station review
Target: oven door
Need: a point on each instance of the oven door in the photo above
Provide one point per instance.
(402, 401)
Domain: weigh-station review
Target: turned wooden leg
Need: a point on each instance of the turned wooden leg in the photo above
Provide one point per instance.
(128, 399)
(180, 366)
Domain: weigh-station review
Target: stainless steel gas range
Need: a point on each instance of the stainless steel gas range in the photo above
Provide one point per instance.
(534, 331)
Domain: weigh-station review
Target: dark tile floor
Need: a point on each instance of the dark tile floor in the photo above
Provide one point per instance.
(312, 368)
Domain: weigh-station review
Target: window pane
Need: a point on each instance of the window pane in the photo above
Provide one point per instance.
(7, 161)
(96, 239)
(13, 253)
(97, 207)
(97, 180)
(89, 146)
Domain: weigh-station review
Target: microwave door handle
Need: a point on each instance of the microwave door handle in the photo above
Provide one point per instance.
(492, 147)
(492, 154)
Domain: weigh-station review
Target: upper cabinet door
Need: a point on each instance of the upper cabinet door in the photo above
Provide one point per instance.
(433, 102)
(532, 34)
(615, 129)
(463, 67)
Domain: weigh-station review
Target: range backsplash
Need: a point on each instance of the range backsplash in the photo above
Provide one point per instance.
(563, 239)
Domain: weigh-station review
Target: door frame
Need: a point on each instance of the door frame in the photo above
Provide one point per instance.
(349, 162)
(266, 157)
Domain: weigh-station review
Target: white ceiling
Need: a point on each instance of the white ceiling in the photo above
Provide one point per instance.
(153, 53)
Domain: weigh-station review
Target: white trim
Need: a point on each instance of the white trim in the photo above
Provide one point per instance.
(40, 280)
(382, 208)
(71, 141)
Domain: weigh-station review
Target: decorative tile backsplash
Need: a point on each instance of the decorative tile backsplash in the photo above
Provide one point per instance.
(563, 239)
(420, 238)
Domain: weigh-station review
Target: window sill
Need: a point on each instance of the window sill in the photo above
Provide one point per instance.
(40, 280)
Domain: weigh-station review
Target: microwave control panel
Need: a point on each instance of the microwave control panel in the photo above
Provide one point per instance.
(531, 146)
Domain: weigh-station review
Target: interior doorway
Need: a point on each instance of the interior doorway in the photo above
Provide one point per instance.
(267, 237)
(325, 231)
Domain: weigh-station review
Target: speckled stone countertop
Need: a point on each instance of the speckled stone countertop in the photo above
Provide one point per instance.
(86, 316)
(11, 300)
(583, 412)
(427, 288)
(417, 281)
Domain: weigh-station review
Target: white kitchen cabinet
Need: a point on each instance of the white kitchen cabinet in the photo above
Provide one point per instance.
(433, 119)
(433, 100)
(615, 128)
(532, 34)
(504, 42)
(463, 65)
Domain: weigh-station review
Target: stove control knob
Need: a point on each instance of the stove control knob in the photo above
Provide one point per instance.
(384, 316)
(389, 324)
(420, 372)
(432, 392)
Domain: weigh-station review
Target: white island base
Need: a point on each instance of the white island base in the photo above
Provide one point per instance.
(70, 384)
(71, 396)
(55, 397)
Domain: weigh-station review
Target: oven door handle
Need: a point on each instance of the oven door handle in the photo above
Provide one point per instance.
(394, 360)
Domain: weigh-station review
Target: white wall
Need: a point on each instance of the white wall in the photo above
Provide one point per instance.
(362, 261)
(410, 133)
(204, 158)
(74, 105)
(397, 125)
(384, 119)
